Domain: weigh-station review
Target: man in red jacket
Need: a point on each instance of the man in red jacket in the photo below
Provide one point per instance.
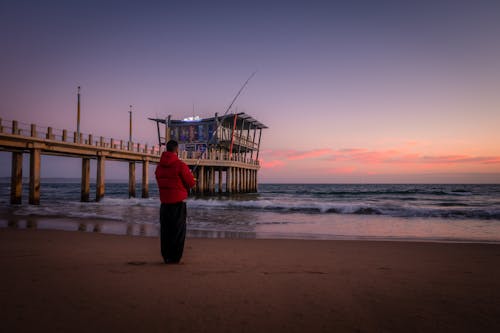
(174, 181)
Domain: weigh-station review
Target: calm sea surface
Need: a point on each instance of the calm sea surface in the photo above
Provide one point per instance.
(402, 212)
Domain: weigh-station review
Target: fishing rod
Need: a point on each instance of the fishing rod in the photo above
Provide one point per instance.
(225, 113)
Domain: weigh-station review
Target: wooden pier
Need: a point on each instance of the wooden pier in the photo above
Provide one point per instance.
(217, 171)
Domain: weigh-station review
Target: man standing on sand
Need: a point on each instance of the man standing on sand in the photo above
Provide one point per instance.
(174, 181)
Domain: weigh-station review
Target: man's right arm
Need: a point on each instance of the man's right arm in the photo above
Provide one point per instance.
(187, 177)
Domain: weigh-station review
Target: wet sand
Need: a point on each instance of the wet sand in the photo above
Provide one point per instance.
(63, 281)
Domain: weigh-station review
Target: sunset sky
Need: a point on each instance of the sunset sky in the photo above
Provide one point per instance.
(360, 91)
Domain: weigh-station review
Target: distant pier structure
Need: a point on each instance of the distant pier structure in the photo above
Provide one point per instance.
(222, 151)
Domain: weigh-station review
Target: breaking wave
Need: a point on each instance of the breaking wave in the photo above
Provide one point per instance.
(348, 208)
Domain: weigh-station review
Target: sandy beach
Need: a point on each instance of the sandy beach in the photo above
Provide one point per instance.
(63, 281)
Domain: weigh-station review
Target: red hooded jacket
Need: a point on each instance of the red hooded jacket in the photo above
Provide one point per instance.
(174, 178)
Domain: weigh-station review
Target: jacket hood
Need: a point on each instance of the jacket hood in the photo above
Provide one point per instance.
(168, 158)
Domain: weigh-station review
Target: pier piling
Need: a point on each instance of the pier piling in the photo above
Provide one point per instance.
(16, 180)
(220, 181)
(145, 178)
(212, 180)
(34, 195)
(131, 179)
(228, 180)
(85, 186)
(201, 180)
(99, 193)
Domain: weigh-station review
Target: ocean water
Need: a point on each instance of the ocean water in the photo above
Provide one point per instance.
(308, 211)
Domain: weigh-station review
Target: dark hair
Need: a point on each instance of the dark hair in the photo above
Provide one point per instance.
(172, 145)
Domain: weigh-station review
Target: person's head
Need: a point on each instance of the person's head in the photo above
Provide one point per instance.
(173, 146)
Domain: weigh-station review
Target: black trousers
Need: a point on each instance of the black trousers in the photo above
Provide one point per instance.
(172, 231)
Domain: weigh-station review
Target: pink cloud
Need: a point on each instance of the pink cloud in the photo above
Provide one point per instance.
(377, 157)
(301, 155)
(271, 164)
(398, 157)
(446, 159)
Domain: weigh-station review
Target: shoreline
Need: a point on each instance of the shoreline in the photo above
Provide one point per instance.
(122, 228)
(70, 281)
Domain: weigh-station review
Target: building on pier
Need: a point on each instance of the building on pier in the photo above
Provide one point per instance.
(227, 146)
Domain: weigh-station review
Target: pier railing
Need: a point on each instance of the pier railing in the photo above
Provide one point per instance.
(216, 155)
(62, 135)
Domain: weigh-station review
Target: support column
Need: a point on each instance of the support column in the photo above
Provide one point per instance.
(234, 177)
(243, 189)
(196, 177)
(131, 179)
(237, 180)
(201, 180)
(212, 180)
(228, 180)
(16, 178)
(99, 193)
(247, 177)
(250, 183)
(34, 197)
(256, 182)
(220, 181)
(241, 179)
(145, 179)
(247, 180)
(207, 179)
(85, 187)
(250, 176)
